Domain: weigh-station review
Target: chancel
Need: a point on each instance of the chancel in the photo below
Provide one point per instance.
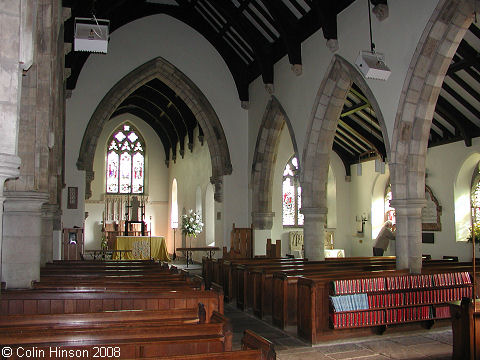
(249, 113)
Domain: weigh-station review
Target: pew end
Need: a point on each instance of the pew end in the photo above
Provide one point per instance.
(251, 340)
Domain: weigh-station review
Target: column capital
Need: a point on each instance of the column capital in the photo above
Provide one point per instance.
(217, 181)
(314, 211)
(263, 220)
(408, 206)
(24, 201)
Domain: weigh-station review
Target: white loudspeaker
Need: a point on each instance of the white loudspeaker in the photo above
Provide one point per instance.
(372, 65)
(91, 35)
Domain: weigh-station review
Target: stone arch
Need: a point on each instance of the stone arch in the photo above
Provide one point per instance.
(264, 158)
(319, 141)
(187, 91)
(433, 55)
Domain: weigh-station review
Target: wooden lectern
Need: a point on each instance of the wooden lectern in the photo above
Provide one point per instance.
(72, 244)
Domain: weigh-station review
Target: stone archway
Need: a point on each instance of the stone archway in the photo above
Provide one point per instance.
(433, 55)
(264, 158)
(187, 91)
(316, 153)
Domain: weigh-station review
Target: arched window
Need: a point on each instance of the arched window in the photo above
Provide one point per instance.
(292, 195)
(125, 161)
(475, 199)
(174, 210)
(389, 211)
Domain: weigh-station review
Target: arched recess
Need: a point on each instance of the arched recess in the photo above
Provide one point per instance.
(209, 216)
(187, 91)
(319, 141)
(433, 55)
(263, 166)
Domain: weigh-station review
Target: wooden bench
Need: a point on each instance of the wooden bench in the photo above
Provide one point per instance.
(254, 347)
(61, 302)
(139, 340)
(125, 318)
(313, 305)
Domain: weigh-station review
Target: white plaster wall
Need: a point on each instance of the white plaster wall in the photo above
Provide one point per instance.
(156, 181)
(192, 172)
(444, 163)
(131, 46)
(396, 37)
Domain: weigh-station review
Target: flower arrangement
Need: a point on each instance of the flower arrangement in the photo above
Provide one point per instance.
(476, 231)
(192, 224)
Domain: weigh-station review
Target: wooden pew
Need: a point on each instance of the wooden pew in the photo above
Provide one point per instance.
(284, 290)
(254, 347)
(61, 302)
(39, 322)
(256, 289)
(313, 322)
(139, 340)
(231, 277)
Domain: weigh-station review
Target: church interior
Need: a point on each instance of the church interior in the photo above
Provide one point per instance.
(306, 167)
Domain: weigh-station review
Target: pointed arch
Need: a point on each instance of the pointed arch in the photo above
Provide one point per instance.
(321, 130)
(186, 90)
(319, 141)
(264, 158)
(437, 46)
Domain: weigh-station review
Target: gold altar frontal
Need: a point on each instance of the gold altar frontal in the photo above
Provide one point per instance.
(140, 246)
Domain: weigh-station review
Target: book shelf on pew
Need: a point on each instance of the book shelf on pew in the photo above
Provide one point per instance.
(385, 301)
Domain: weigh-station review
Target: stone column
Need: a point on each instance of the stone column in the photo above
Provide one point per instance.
(49, 212)
(9, 167)
(262, 220)
(22, 236)
(314, 232)
(408, 235)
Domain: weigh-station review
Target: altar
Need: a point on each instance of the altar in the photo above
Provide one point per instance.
(140, 247)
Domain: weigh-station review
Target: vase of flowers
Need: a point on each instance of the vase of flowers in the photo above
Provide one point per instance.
(192, 225)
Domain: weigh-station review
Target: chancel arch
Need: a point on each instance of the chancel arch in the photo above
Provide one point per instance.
(180, 84)
(432, 58)
(264, 159)
(321, 131)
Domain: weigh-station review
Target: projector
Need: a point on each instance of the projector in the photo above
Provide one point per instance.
(91, 35)
(372, 65)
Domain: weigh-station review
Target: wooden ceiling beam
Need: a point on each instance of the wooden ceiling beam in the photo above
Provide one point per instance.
(445, 131)
(286, 25)
(262, 49)
(361, 133)
(461, 100)
(462, 83)
(346, 160)
(456, 119)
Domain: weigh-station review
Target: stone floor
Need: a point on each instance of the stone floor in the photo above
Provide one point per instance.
(425, 344)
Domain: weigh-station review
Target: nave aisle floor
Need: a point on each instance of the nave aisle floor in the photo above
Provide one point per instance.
(433, 344)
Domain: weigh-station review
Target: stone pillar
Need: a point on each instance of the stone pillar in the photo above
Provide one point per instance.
(262, 220)
(314, 232)
(9, 167)
(408, 214)
(49, 212)
(22, 237)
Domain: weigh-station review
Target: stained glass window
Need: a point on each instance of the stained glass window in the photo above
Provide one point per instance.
(125, 168)
(475, 199)
(292, 195)
(389, 211)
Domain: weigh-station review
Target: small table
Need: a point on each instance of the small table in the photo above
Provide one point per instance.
(210, 250)
(103, 253)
